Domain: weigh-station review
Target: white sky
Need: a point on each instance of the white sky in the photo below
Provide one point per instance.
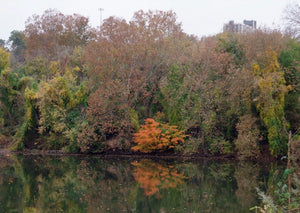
(198, 17)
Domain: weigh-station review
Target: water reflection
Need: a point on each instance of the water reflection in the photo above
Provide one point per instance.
(92, 184)
(153, 176)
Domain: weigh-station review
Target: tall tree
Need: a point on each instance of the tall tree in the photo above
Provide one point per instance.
(18, 45)
(53, 34)
(134, 55)
(270, 102)
(10, 96)
(289, 59)
(2, 43)
(292, 18)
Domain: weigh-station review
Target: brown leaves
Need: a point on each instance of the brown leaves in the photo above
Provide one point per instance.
(258, 42)
(136, 53)
(248, 137)
(52, 34)
(108, 109)
(126, 64)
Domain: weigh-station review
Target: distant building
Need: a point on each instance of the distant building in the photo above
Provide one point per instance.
(248, 25)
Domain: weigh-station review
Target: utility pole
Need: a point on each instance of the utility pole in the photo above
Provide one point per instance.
(101, 10)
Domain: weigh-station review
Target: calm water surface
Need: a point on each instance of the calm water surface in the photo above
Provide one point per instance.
(93, 184)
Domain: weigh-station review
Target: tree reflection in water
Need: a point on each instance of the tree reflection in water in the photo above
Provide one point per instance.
(154, 177)
(95, 184)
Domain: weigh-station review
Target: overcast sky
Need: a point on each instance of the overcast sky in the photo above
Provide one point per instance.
(198, 17)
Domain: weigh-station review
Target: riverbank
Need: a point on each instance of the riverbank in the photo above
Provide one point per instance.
(138, 155)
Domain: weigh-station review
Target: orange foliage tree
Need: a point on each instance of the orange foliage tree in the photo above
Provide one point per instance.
(154, 136)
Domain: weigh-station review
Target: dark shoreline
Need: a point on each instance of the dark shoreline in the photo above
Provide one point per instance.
(127, 155)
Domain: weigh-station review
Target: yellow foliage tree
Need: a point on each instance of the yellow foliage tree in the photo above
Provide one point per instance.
(4, 59)
(270, 101)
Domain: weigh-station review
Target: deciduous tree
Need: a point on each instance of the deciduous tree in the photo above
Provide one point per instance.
(53, 35)
(154, 136)
(270, 101)
(292, 19)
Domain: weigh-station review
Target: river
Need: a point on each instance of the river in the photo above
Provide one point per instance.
(36, 183)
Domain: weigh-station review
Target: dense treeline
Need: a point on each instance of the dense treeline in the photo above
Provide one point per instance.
(65, 85)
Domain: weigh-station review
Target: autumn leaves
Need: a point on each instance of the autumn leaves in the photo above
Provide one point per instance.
(145, 84)
(154, 136)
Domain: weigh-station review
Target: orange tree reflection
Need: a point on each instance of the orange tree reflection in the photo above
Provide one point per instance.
(153, 176)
